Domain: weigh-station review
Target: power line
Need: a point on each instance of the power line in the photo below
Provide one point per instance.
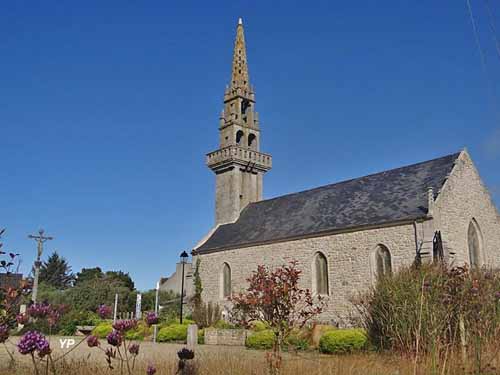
(491, 21)
(491, 86)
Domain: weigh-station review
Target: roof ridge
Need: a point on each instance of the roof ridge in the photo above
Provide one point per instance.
(456, 154)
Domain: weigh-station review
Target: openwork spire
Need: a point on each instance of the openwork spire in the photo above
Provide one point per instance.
(239, 76)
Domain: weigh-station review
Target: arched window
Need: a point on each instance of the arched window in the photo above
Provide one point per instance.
(226, 281)
(252, 141)
(382, 261)
(320, 274)
(474, 239)
(239, 137)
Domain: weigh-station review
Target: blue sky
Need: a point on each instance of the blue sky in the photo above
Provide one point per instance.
(108, 108)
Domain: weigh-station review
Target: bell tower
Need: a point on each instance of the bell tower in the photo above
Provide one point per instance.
(238, 164)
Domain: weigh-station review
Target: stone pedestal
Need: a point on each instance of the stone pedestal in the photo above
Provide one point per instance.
(192, 336)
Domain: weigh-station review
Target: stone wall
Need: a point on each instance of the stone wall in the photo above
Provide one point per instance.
(464, 197)
(348, 256)
(232, 337)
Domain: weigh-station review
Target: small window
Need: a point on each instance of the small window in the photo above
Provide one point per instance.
(382, 261)
(226, 281)
(252, 141)
(239, 137)
(320, 274)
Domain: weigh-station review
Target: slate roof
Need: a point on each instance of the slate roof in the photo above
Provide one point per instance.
(391, 196)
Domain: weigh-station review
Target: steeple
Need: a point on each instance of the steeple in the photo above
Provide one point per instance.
(238, 164)
(239, 77)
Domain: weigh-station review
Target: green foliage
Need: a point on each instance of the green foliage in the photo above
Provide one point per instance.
(50, 294)
(56, 272)
(342, 341)
(73, 318)
(103, 329)
(258, 326)
(222, 324)
(173, 332)
(88, 274)
(138, 333)
(169, 301)
(425, 304)
(122, 277)
(198, 288)
(89, 295)
(260, 340)
(201, 336)
(297, 341)
(206, 314)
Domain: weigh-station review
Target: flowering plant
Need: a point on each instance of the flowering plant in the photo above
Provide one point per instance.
(121, 351)
(104, 311)
(151, 318)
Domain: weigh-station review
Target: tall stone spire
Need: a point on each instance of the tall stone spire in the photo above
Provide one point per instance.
(238, 164)
(239, 77)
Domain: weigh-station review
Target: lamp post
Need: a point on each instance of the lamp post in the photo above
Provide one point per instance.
(184, 257)
(155, 329)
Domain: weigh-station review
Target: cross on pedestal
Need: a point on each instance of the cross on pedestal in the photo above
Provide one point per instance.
(40, 239)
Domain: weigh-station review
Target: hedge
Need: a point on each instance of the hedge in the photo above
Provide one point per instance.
(173, 332)
(260, 340)
(258, 326)
(102, 329)
(342, 341)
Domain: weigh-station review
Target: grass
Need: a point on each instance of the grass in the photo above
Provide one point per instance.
(239, 361)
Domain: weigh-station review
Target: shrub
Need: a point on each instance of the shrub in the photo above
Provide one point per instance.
(342, 341)
(297, 341)
(102, 329)
(174, 332)
(173, 321)
(206, 314)
(222, 324)
(425, 305)
(201, 336)
(260, 340)
(138, 333)
(258, 326)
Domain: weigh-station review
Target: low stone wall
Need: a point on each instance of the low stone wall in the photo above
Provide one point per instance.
(232, 337)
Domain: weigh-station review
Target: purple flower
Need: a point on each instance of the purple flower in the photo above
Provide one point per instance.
(151, 370)
(22, 318)
(115, 338)
(134, 349)
(43, 348)
(125, 325)
(185, 353)
(104, 311)
(33, 341)
(53, 317)
(38, 310)
(92, 341)
(151, 318)
(497, 295)
(4, 333)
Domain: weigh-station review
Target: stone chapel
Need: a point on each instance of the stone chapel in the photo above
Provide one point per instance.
(343, 235)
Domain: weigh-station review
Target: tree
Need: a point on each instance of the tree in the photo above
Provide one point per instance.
(168, 300)
(274, 297)
(87, 274)
(122, 277)
(57, 272)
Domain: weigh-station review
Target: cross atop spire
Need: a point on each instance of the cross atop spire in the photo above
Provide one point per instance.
(239, 76)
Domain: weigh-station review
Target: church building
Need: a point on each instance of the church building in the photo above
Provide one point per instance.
(342, 235)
